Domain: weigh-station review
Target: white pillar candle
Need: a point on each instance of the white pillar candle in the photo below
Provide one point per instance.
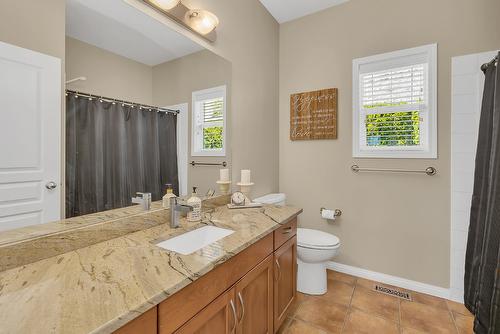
(245, 176)
(224, 175)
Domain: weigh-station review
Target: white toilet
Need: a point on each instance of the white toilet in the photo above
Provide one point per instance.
(276, 199)
(314, 249)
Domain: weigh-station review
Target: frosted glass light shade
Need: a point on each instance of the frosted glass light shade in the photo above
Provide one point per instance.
(201, 21)
(165, 4)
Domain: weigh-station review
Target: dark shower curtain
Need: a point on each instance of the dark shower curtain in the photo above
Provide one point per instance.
(114, 151)
(482, 263)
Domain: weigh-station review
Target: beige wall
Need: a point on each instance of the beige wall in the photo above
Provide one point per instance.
(34, 24)
(108, 74)
(394, 224)
(248, 38)
(174, 82)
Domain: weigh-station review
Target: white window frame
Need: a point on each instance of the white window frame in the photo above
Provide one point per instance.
(423, 54)
(200, 95)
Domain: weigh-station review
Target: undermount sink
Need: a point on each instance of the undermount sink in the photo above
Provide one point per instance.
(192, 241)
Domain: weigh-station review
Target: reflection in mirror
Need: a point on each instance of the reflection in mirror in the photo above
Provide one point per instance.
(130, 132)
(129, 125)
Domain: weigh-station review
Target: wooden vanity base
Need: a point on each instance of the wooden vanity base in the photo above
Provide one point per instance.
(250, 293)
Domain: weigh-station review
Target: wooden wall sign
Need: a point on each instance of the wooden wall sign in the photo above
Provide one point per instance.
(313, 115)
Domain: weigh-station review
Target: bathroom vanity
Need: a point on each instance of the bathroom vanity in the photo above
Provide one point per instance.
(250, 293)
(243, 283)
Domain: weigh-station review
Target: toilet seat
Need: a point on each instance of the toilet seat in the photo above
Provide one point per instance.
(315, 239)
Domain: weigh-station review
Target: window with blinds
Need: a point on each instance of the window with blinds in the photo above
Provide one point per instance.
(209, 108)
(391, 103)
(394, 104)
(213, 124)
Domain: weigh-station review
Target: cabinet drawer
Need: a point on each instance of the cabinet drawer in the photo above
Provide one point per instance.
(285, 232)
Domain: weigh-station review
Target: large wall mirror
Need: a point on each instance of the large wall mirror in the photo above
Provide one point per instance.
(141, 102)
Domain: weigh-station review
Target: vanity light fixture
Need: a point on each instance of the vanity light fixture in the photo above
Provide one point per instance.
(165, 4)
(200, 21)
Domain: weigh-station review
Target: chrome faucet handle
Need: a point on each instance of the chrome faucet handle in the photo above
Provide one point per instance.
(185, 208)
(144, 199)
(177, 206)
(176, 209)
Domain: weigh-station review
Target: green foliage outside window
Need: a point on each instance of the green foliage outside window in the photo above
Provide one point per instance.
(393, 129)
(212, 138)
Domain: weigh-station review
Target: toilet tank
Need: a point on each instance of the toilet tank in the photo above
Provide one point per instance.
(275, 199)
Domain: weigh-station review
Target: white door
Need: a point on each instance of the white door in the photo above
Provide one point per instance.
(30, 137)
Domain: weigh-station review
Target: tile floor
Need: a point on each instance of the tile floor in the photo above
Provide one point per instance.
(351, 306)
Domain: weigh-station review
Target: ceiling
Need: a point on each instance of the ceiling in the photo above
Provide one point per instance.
(115, 26)
(287, 10)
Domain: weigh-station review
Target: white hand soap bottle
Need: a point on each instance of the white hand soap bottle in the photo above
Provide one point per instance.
(166, 198)
(195, 202)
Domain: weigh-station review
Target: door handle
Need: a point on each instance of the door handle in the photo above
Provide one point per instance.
(242, 307)
(287, 230)
(233, 330)
(51, 185)
(279, 269)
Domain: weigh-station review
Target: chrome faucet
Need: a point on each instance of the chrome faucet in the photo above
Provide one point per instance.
(175, 210)
(143, 199)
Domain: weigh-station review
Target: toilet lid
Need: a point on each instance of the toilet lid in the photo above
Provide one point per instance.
(315, 238)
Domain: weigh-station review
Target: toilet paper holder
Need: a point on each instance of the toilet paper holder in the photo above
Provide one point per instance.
(336, 213)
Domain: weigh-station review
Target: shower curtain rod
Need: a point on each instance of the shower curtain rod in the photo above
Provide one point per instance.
(124, 103)
(486, 65)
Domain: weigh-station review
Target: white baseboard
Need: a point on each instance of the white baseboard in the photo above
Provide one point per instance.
(392, 280)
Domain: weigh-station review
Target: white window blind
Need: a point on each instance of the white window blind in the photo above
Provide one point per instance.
(394, 87)
(208, 137)
(394, 110)
(393, 101)
(212, 110)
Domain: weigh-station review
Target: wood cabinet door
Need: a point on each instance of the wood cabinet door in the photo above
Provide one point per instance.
(285, 276)
(254, 300)
(218, 317)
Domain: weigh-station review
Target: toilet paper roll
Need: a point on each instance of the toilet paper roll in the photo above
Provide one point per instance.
(328, 214)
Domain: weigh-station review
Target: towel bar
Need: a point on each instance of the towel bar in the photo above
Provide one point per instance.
(429, 170)
(194, 163)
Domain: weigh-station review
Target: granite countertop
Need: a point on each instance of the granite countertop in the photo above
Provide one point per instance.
(102, 286)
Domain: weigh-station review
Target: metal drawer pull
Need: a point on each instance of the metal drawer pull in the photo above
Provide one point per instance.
(279, 269)
(287, 230)
(242, 306)
(234, 316)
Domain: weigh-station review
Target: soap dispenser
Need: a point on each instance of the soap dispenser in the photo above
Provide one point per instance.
(195, 202)
(168, 194)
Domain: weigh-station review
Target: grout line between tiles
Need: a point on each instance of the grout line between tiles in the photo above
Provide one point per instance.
(452, 317)
(348, 313)
(400, 325)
